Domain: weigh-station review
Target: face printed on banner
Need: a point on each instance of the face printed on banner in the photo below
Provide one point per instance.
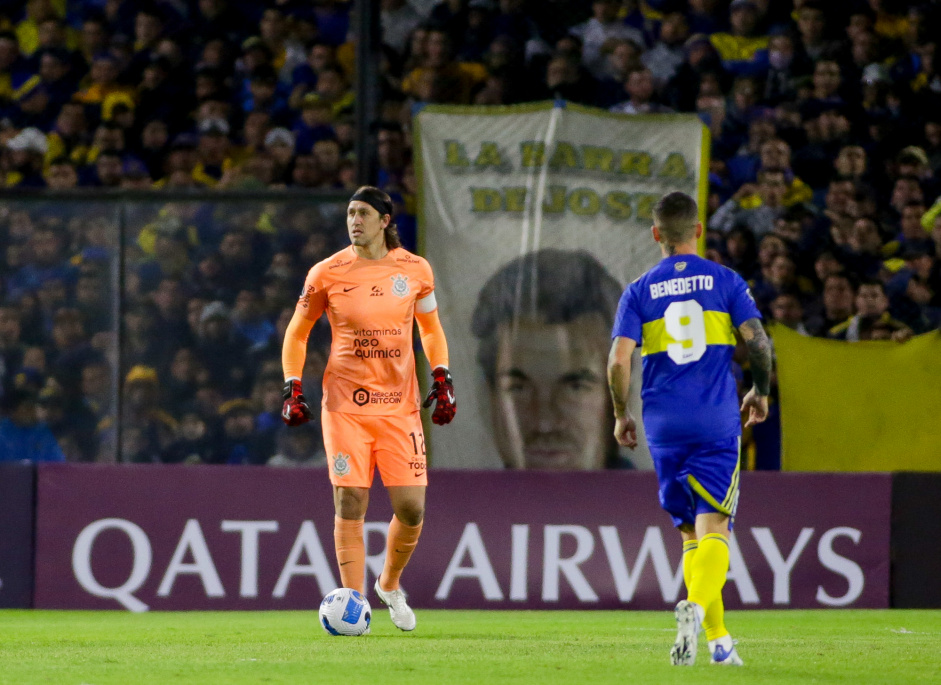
(543, 323)
(550, 398)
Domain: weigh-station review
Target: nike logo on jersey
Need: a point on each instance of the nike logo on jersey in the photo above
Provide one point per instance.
(346, 290)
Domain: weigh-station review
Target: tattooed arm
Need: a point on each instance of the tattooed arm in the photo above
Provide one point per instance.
(759, 355)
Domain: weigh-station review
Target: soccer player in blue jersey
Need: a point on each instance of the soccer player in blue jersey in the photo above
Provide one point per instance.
(684, 313)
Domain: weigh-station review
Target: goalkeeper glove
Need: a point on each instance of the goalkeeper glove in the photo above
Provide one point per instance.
(295, 411)
(442, 394)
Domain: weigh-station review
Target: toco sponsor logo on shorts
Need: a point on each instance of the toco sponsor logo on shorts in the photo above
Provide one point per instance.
(361, 396)
(341, 464)
(400, 285)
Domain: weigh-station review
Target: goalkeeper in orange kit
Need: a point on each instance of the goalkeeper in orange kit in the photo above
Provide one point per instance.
(372, 292)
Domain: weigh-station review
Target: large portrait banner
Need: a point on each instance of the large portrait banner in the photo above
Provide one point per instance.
(534, 218)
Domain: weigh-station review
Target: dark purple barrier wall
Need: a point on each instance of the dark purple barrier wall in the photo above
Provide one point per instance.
(17, 483)
(257, 538)
(916, 521)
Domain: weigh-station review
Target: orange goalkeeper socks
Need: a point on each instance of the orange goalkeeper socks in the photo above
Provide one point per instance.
(351, 552)
(399, 547)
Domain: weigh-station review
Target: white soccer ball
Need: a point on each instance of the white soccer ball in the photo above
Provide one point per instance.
(345, 612)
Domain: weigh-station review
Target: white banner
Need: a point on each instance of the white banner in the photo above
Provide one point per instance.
(534, 217)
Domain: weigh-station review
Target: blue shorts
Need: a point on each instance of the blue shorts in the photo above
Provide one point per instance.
(698, 478)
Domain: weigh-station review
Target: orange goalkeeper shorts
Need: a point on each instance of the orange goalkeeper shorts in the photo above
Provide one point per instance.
(357, 444)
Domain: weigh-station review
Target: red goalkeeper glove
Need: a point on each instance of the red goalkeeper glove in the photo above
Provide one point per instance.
(295, 411)
(442, 394)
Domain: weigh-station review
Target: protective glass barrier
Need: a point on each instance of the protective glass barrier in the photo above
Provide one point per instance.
(58, 336)
(203, 287)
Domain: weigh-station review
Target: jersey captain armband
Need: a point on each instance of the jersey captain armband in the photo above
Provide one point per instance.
(426, 304)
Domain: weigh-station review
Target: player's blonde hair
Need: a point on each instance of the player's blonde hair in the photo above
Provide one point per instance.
(676, 217)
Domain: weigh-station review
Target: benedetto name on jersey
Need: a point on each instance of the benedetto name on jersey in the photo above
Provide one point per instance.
(681, 286)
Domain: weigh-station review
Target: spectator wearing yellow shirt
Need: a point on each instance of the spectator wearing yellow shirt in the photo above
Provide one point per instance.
(27, 31)
(776, 154)
(102, 81)
(439, 65)
(756, 206)
(742, 52)
(872, 311)
(69, 136)
(332, 89)
(181, 165)
(888, 24)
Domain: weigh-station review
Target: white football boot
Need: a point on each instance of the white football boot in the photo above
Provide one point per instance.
(724, 653)
(688, 625)
(401, 613)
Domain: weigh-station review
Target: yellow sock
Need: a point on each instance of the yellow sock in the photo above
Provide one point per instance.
(709, 568)
(714, 623)
(689, 552)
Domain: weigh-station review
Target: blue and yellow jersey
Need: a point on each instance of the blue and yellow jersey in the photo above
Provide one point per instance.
(683, 314)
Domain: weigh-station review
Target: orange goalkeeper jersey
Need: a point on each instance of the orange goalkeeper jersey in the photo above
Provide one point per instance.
(371, 308)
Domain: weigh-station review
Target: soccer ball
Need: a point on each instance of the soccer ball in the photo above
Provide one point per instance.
(345, 612)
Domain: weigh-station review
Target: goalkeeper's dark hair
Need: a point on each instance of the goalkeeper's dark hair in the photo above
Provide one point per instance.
(553, 286)
(676, 216)
(382, 203)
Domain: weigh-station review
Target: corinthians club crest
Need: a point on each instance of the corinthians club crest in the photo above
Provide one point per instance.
(341, 464)
(400, 285)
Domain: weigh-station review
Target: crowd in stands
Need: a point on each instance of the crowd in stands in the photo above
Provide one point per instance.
(825, 175)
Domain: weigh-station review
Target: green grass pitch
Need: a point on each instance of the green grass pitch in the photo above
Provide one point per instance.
(474, 647)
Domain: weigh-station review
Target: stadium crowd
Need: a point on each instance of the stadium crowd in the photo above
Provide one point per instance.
(824, 180)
